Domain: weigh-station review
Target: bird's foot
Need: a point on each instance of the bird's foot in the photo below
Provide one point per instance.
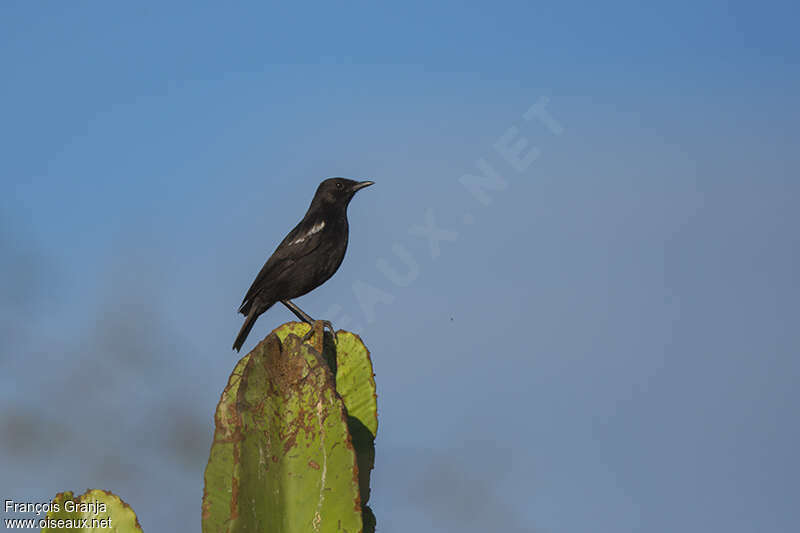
(328, 324)
(321, 324)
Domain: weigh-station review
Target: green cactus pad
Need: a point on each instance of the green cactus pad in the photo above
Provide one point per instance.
(350, 359)
(93, 511)
(355, 383)
(283, 459)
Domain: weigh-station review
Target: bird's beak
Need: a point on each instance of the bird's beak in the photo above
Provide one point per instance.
(360, 185)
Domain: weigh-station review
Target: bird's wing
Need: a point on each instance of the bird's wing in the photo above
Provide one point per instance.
(301, 241)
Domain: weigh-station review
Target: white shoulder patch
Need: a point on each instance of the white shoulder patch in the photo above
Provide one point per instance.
(316, 228)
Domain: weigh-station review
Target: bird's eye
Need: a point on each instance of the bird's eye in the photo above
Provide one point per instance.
(338, 184)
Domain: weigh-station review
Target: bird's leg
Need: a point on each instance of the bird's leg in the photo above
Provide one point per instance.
(299, 313)
(305, 317)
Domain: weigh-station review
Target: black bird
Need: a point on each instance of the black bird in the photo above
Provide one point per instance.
(307, 257)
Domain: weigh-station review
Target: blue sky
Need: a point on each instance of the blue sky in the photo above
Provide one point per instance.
(609, 345)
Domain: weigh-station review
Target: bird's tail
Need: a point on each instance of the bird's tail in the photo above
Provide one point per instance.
(246, 327)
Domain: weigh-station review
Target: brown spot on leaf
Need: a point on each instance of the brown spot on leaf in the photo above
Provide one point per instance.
(234, 498)
(206, 504)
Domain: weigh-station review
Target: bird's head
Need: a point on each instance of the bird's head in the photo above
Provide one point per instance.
(338, 191)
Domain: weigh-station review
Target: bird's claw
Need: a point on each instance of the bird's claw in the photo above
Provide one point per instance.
(325, 324)
(328, 324)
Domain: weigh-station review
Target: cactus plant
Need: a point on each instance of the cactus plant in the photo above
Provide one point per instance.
(294, 438)
(95, 510)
